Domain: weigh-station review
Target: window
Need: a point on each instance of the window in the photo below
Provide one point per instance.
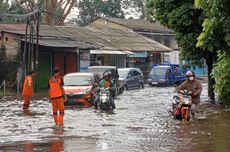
(131, 73)
(136, 73)
(158, 38)
(167, 41)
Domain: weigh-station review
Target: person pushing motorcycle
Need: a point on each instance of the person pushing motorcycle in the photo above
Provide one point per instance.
(194, 87)
(106, 82)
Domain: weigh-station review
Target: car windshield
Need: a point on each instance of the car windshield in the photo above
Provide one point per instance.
(100, 71)
(158, 71)
(123, 73)
(77, 80)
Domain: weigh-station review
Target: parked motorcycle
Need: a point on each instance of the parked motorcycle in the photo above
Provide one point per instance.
(181, 106)
(104, 99)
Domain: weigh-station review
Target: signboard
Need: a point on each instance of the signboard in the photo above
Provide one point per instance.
(138, 55)
(84, 61)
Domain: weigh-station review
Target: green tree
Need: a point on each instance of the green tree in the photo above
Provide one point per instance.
(91, 9)
(186, 21)
(216, 37)
(7, 8)
(138, 7)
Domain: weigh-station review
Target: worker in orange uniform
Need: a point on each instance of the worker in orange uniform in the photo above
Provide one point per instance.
(57, 96)
(28, 89)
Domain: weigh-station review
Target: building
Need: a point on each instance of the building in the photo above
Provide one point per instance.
(154, 31)
(69, 48)
(56, 49)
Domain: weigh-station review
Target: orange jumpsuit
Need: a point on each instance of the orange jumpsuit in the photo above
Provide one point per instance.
(56, 93)
(28, 91)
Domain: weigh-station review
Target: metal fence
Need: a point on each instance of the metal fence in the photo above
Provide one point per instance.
(8, 76)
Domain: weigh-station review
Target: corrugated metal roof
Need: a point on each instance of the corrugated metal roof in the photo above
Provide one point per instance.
(106, 38)
(116, 39)
(12, 27)
(138, 24)
(64, 43)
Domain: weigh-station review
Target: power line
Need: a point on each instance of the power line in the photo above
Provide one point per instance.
(19, 15)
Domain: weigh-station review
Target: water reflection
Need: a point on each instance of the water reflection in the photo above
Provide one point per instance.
(57, 146)
(29, 147)
(51, 146)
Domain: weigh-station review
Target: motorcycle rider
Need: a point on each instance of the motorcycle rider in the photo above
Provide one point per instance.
(194, 87)
(106, 82)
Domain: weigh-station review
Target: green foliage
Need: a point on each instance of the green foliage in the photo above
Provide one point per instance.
(91, 9)
(138, 7)
(184, 20)
(216, 29)
(221, 73)
(4, 6)
(216, 37)
(10, 8)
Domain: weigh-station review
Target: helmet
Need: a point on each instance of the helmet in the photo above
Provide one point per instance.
(106, 74)
(109, 73)
(190, 73)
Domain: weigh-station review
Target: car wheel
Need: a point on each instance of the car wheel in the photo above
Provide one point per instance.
(126, 87)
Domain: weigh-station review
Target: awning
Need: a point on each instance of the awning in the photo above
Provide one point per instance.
(109, 52)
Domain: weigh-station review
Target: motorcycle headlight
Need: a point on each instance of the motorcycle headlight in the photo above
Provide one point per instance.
(103, 97)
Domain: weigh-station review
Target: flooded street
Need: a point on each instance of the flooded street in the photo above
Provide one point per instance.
(140, 123)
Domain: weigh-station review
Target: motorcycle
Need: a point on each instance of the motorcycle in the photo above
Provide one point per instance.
(181, 106)
(104, 99)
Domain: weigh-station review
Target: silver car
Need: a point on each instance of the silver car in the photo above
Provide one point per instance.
(132, 77)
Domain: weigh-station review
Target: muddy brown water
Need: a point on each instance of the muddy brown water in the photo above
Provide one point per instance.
(140, 123)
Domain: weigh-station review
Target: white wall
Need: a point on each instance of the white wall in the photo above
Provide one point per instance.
(172, 57)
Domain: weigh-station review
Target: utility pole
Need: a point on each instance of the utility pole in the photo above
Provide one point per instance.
(37, 48)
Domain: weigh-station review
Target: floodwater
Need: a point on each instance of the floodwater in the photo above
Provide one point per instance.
(140, 123)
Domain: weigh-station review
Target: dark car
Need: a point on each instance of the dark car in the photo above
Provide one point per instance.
(114, 77)
(81, 87)
(132, 77)
(165, 75)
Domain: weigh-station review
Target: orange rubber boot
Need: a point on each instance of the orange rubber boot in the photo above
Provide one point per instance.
(61, 117)
(56, 119)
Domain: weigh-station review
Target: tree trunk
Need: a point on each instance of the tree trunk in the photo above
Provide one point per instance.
(210, 61)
